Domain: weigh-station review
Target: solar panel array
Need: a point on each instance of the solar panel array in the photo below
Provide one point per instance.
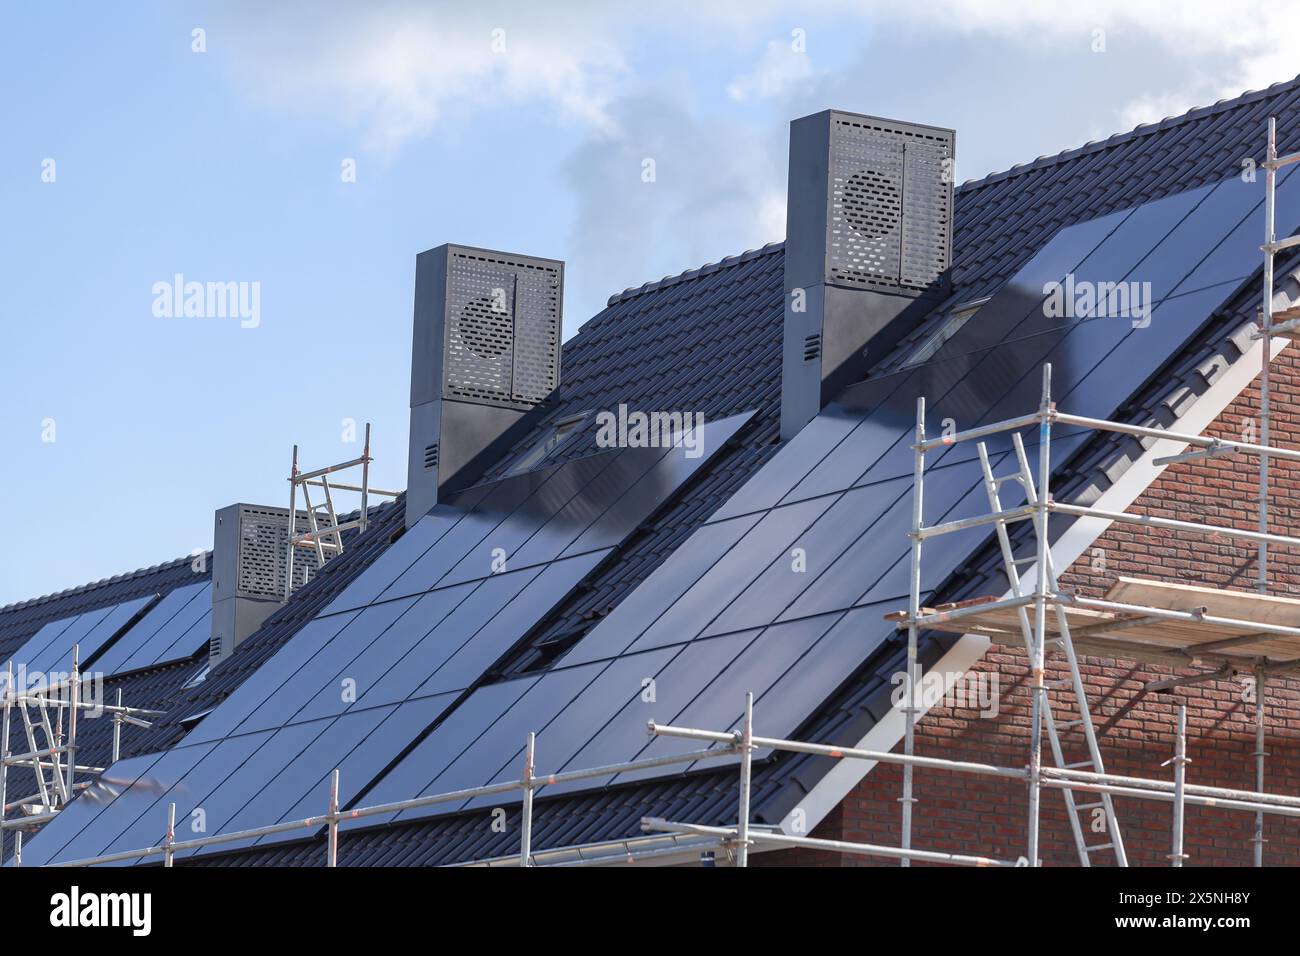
(49, 650)
(175, 628)
(782, 591)
(362, 681)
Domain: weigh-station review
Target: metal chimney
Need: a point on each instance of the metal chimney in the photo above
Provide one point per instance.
(485, 351)
(868, 244)
(249, 562)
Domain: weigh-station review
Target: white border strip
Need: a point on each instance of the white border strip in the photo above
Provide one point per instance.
(883, 736)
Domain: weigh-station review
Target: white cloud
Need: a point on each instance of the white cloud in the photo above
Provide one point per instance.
(1153, 107)
(781, 68)
(396, 69)
(1256, 38)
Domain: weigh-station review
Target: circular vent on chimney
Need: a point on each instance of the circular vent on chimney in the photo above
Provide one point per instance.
(485, 328)
(873, 204)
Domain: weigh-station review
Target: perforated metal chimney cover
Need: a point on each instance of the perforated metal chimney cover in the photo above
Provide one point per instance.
(503, 328)
(890, 203)
(263, 552)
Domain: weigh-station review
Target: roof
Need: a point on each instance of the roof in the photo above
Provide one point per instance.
(22, 619)
(710, 340)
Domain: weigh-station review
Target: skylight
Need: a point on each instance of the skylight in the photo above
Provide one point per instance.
(957, 318)
(560, 432)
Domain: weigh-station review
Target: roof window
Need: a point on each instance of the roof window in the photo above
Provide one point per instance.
(958, 316)
(558, 434)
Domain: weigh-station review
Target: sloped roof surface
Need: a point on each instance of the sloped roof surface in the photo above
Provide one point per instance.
(21, 620)
(709, 340)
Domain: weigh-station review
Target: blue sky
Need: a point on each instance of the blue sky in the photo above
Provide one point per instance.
(497, 124)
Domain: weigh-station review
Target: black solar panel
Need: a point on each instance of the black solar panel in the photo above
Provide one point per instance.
(593, 714)
(470, 746)
(49, 650)
(123, 792)
(36, 645)
(175, 628)
(302, 788)
(530, 519)
(828, 663)
(392, 650)
(359, 683)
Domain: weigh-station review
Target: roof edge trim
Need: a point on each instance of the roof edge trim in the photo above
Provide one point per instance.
(707, 269)
(1144, 129)
(102, 582)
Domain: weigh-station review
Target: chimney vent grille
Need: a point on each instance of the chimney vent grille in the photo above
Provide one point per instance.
(503, 319)
(890, 203)
(263, 549)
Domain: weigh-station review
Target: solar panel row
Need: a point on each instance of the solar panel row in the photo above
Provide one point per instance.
(359, 683)
(175, 628)
(819, 535)
(534, 518)
(50, 649)
(592, 714)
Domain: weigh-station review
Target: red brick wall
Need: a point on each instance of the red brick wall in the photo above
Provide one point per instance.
(986, 816)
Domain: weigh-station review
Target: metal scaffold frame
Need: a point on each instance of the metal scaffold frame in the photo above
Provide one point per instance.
(1289, 327)
(1035, 634)
(1047, 597)
(53, 763)
(671, 840)
(1048, 594)
(325, 531)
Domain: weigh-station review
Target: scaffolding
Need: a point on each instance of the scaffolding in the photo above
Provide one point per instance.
(1287, 325)
(49, 720)
(673, 841)
(324, 534)
(1148, 621)
(1158, 624)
